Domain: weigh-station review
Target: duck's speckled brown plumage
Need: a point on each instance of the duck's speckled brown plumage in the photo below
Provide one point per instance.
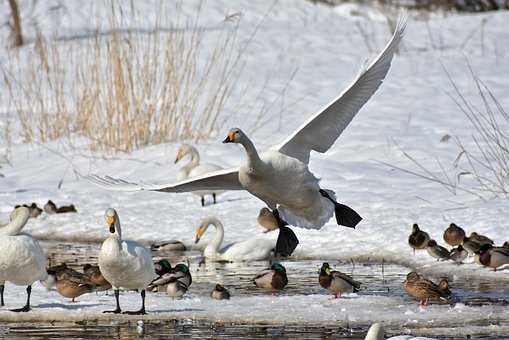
(96, 277)
(425, 290)
(454, 235)
(69, 282)
(481, 239)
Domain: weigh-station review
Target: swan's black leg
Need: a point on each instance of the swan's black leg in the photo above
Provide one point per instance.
(280, 221)
(345, 215)
(116, 310)
(202, 201)
(214, 197)
(142, 309)
(2, 287)
(25, 308)
(287, 241)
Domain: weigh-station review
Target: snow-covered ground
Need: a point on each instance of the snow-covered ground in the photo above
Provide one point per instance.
(326, 47)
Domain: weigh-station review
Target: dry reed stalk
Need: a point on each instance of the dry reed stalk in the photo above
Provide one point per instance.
(123, 91)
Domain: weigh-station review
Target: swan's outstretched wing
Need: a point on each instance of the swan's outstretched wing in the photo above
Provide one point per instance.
(323, 128)
(217, 180)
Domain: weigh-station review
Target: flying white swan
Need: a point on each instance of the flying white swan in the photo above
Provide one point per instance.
(280, 176)
(124, 264)
(249, 250)
(22, 260)
(194, 169)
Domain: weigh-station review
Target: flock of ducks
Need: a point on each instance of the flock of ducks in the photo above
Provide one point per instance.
(125, 264)
(481, 247)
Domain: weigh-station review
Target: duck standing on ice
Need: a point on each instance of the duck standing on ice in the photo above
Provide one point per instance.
(280, 177)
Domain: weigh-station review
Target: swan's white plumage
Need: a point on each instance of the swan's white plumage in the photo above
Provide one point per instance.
(22, 260)
(280, 177)
(125, 264)
(249, 250)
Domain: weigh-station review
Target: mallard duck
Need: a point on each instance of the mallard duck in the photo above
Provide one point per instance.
(162, 267)
(459, 254)
(220, 293)
(471, 246)
(438, 252)
(418, 239)
(35, 211)
(195, 169)
(175, 288)
(481, 239)
(425, 290)
(180, 272)
(249, 250)
(454, 235)
(22, 260)
(493, 257)
(267, 220)
(125, 264)
(281, 176)
(51, 208)
(336, 281)
(171, 245)
(68, 282)
(273, 278)
(96, 277)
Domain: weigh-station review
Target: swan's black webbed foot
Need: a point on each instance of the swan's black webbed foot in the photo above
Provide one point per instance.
(345, 215)
(287, 241)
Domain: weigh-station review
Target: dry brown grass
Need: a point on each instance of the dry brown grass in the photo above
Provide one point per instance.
(124, 90)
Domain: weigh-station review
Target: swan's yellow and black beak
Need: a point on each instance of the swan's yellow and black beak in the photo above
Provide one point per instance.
(110, 221)
(230, 138)
(179, 156)
(199, 233)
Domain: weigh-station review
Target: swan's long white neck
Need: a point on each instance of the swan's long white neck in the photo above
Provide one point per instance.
(19, 218)
(217, 240)
(253, 159)
(193, 163)
(116, 237)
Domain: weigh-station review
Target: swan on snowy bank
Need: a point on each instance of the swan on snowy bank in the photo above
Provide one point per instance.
(280, 177)
(22, 260)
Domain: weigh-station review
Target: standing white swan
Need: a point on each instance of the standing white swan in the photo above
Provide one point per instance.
(22, 260)
(125, 264)
(194, 169)
(249, 250)
(280, 176)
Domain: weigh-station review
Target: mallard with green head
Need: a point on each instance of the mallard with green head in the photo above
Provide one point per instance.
(425, 290)
(220, 293)
(273, 278)
(336, 281)
(418, 239)
(454, 235)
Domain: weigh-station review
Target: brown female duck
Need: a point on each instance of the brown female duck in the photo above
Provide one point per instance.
(454, 235)
(425, 290)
